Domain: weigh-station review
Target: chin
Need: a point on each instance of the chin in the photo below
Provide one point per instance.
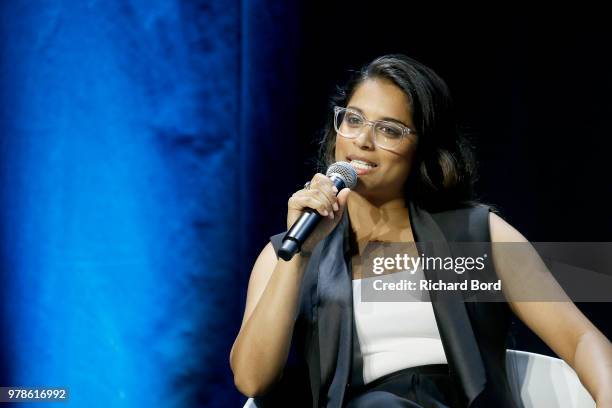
(365, 190)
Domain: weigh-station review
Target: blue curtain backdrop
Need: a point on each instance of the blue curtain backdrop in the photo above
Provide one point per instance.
(135, 135)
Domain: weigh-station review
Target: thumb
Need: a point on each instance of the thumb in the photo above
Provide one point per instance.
(342, 199)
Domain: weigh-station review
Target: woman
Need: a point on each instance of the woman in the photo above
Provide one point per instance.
(393, 122)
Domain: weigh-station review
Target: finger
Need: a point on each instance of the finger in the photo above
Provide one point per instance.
(326, 198)
(321, 180)
(319, 195)
(325, 184)
(331, 192)
(323, 206)
(323, 189)
(327, 205)
(343, 197)
(301, 201)
(335, 206)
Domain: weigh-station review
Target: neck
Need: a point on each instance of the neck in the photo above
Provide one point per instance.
(384, 221)
(357, 201)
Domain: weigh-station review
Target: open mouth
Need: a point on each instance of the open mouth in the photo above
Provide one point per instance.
(361, 164)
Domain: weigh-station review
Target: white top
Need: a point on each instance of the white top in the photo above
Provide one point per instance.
(395, 335)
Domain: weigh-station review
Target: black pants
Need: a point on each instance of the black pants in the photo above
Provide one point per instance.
(427, 386)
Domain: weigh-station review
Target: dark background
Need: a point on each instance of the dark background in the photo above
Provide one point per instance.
(533, 93)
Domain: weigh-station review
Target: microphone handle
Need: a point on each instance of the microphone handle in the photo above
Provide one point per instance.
(303, 227)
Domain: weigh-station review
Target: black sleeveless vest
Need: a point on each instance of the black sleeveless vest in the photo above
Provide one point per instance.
(473, 334)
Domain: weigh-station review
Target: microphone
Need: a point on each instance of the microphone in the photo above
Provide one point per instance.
(342, 175)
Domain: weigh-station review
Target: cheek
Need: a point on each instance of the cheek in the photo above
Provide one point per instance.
(406, 157)
(340, 149)
(402, 165)
(408, 151)
(401, 169)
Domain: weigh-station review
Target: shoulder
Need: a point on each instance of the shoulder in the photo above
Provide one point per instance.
(465, 223)
(479, 216)
(462, 211)
(502, 231)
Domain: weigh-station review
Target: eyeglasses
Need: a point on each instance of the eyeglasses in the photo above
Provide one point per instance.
(387, 135)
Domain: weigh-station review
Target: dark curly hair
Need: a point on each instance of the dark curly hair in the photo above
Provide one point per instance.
(444, 169)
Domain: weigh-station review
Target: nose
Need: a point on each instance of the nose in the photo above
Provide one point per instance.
(365, 139)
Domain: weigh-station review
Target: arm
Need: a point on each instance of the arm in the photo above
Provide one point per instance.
(560, 324)
(260, 351)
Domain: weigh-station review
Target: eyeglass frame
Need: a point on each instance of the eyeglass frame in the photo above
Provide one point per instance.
(372, 123)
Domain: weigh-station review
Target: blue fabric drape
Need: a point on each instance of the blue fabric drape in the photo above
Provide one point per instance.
(124, 153)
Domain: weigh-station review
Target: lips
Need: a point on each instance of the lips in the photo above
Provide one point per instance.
(361, 160)
(361, 165)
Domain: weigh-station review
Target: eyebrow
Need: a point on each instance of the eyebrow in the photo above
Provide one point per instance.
(385, 118)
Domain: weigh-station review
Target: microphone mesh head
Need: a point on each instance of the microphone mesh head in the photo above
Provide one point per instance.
(345, 171)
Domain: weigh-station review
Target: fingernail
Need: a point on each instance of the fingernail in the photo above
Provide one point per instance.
(325, 213)
(331, 215)
(335, 206)
(335, 189)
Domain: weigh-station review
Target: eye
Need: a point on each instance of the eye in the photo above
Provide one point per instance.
(390, 130)
(353, 119)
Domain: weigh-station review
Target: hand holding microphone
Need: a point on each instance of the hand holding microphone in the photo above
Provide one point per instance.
(315, 211)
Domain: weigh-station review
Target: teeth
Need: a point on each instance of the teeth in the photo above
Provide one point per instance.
(362, 165)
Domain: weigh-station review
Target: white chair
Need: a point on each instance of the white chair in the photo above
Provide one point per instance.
(542, 381)
(250, 404)
(538, 381)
